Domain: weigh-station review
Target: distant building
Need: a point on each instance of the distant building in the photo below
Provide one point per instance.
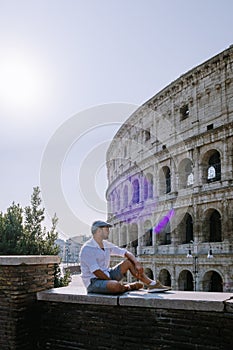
(69, 249)
(170, 173)
(61, 244)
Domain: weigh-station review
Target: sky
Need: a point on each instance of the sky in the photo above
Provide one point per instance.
(71, 72)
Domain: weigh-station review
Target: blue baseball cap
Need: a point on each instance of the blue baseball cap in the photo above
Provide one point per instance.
(99, 223)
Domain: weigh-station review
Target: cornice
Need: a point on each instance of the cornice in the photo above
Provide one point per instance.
(189, 79)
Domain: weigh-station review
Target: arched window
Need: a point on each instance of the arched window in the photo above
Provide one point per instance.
(186, 177)
(215, 227)
(168, 179)
(165, 277)
(212, 282)
(123, 237)
(185, 229)
(164, 180)
(148, 232)
(148, 237)
(147, 135)
(189, 229)
(185, 281)
(164, 236)
(214, 168)
(149, 273)
(133, 238)
(136, 193)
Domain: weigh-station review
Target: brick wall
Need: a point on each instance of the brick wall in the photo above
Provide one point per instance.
(72, 326)
(70, 319)
(21, 277)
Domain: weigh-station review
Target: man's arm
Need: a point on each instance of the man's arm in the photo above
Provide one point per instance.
(101, 275)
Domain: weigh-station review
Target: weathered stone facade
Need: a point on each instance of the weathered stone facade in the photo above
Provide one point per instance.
(170, 172)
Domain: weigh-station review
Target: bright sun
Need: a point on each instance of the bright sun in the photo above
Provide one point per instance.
(20, 83)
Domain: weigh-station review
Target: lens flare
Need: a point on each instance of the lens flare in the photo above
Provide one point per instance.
(164, 221)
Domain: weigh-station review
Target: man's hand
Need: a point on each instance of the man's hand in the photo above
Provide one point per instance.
(139, 269)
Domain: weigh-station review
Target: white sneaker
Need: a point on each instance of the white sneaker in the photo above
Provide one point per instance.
(157, 288)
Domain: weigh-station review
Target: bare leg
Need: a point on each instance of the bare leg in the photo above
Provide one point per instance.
(128, 265)
(116, 287)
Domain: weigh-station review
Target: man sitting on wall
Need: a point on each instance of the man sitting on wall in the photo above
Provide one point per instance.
(96, 274)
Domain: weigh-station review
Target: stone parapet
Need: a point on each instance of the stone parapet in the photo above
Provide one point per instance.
(72, 319)
(177, 300)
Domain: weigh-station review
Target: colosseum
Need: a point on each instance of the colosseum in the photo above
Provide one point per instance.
(170, 188)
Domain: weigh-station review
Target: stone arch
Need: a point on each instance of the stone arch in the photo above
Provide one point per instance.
(185, 281)
(133, 237)
(185, 229)
(148, 232)
(185, 171)
(164, 180)
(123, 236)
(211, 166)
(115, 235)
(165, 277)
(164, 236)
(149, 273)
(148, 186)
(212, 281)
(212, 226)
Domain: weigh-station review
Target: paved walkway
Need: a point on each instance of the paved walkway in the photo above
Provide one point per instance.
(76, 281)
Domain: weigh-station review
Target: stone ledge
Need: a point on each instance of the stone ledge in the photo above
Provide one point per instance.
(229, 305)
(176, 300)
(77, 295)
(15, 260)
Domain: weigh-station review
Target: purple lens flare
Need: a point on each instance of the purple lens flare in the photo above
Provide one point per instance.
(164, 221)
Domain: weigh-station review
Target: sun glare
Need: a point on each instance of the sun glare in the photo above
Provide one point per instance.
(20, 83)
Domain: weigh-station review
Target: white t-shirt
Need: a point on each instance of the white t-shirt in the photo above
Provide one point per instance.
(93, 258)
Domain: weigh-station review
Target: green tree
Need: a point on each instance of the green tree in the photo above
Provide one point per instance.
(11, 229)
(36, 239)
(59, 280)
(22, 233)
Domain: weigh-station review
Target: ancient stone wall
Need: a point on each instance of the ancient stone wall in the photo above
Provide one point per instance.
(176, 153)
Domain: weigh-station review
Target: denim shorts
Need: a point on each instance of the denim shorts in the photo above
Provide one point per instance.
(100, 286)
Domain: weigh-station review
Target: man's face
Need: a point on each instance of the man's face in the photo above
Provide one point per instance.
(105, 232)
